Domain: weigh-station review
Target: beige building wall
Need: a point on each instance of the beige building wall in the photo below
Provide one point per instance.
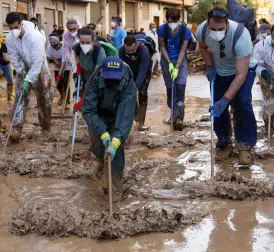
(6, 7)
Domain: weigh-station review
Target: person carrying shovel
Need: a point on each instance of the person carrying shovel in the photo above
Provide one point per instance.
(26, 50)
(233, 67)
(109, 106)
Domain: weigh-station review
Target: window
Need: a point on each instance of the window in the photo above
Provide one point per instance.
(145, 11)
(5, 12)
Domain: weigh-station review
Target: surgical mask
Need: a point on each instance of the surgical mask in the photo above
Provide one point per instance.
(154, 29)
(217, 35)
(73, 34)
(113, 24)
(172, 26)
(54, 46)
(86, 48)
(16, 32)
(111, 83)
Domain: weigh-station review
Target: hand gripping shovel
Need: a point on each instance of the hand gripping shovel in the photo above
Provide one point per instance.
(212, 127)
(14, 116)
(75, 116)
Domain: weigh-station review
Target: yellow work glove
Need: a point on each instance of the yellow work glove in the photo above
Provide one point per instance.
(170, 68)
(112, 148)
(105, 138)
(174, 74)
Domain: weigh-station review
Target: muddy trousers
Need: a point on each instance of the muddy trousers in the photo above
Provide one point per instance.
(245, 130)
(63, 84)
(98, 149)
(43, 95)
(142, 94)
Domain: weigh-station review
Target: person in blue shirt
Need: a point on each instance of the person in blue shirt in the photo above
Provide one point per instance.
(173, 41)
(119, 33)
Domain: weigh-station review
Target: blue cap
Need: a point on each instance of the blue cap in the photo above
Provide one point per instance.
(112, 68)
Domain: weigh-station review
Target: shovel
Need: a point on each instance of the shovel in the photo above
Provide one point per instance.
(212, 127)
(107, 162)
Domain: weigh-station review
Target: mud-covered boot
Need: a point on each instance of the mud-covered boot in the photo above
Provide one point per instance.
(61, 99)
(9, 88)
(245, 157)
(142, 117)
(180, 114)
(15, 135)
(223, 153)
(119, 193)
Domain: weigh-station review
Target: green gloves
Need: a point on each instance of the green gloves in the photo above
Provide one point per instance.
(23, 72)
(171, 68)
(26, 85)
(105, 138)
(174, 74)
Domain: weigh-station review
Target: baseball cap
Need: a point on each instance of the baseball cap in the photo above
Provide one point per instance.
(112, 68)
(264, 27)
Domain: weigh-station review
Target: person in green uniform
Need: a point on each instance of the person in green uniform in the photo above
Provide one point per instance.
(89, 54)
(108, 109)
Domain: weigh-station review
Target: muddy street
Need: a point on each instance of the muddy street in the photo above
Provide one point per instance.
(52, 203)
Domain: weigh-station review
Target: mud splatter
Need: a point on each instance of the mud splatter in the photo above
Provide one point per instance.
(56, 166)
(68, 221)
(153, 140)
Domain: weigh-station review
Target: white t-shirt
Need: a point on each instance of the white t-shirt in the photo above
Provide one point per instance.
(56, 54)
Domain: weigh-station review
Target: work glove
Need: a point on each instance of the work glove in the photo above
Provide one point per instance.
(26, 85)
(78, 69)
(268, 76)
(105, 138)
(77, 106)
(219, 107)
(210, 72)
(174, 74)
(23, 72)
(59, 77)
(112, 148)
(171, 68)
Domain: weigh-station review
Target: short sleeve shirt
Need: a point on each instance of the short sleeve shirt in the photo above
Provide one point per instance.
(118, 37)
(226, 65)
(173, 43)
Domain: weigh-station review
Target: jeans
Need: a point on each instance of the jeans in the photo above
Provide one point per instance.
(142, 95)
(7, 72)
(63, 84)
(245, 130)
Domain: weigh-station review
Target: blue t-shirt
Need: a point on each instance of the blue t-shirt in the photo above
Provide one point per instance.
(173, 43)
(118, 36)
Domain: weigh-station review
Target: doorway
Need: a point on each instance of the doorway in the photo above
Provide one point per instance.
(156, 21)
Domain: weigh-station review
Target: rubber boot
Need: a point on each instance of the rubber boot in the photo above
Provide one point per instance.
(61, 99)
(9, 88)
(142, 117)
(180, 114)
(245, 157)
(15, 135)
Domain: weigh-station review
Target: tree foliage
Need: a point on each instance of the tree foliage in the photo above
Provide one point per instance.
(198, 13)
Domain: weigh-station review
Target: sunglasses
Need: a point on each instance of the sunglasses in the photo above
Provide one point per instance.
(218, 13)
(222, 48)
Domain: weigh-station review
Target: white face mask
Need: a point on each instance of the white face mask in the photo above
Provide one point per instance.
(113, 24)
(16, 32)
(217, 35)
(154, 29)
(172, 26)
(86, 48)
(73, 34)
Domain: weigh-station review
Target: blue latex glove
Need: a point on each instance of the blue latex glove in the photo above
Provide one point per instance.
(26, 85)
(219, 107)
(211, 73)
(267, 75)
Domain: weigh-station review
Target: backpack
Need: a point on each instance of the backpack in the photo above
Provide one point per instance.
(243, 15)
(110, 50)
(146, 41)
(192, 44)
